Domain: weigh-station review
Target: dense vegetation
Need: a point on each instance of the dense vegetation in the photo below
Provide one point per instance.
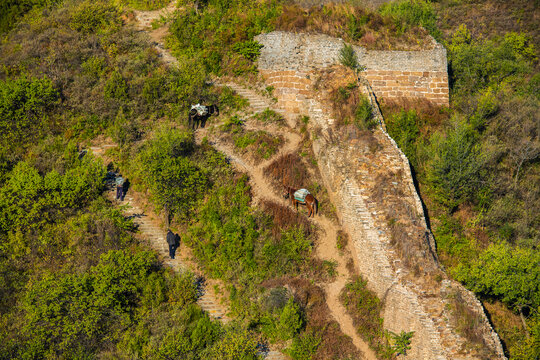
(478, 165)
(74, 281)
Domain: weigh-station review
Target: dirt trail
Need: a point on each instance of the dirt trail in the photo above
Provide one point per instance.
(262, 189)
(326, 248)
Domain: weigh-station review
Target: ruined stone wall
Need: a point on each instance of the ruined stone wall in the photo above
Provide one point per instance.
(351, 170)
(392, 74)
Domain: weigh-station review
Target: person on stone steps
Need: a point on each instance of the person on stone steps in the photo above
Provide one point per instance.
(122, 186)
(173, 241)
(119, 188)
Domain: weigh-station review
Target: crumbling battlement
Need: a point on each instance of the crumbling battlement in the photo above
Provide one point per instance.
(370, 183)
(392, 74)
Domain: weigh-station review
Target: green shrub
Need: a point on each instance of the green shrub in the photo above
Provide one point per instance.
(506, 273)
(455, 171)
(164, 166)
(12, 10)
(365, 308)
(270, 116)
(24, 106)
(91, 17)
(401, 342)
(528, 347)
(124, 131)
(348, 58)
(188, 338)
(290, 321)
(94, 67)
(28, 200)
(221, 34)
(304, 346)
(476, 64)
(403, 127)
(116, 86)
(70, 314)
(237, 344)
(410, 13)
(146, 4)
(249, 49)
(363, 115)
(183, 289)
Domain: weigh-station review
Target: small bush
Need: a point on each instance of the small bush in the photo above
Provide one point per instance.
(290, 321)
(401, 342)
(24, 105)
(403, 127)
(90, 17)
(236, 344)
(261, 144)
(304, 346)
(116, 86)
(249, 49)
(363, 116)
(164, 166)
(270, 116)
(348, 58)
(365, 308)
(146, 4)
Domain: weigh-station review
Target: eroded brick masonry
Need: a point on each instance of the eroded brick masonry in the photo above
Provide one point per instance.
(354, 172)
(287, 59)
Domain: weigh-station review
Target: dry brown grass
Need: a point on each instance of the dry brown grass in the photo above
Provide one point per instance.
(467, 323)
(285, 218)
(371, 30)
(289, 170)
(507, 324)
(408, 236)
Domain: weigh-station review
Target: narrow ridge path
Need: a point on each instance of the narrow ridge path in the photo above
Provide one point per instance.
(326, 248)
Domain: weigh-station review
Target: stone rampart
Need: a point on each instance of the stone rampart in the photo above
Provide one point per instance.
(392, 74)
(352, 171)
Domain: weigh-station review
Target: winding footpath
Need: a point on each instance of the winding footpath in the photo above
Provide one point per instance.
(326, 248)
(151, 228)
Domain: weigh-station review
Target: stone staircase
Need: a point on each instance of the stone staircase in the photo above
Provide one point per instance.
(145, 18)
(257, 102)
(151, 232)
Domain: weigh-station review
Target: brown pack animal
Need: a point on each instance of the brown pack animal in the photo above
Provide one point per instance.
(309, 200)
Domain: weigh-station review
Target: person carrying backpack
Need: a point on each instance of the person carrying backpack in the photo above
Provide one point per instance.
(120, 188)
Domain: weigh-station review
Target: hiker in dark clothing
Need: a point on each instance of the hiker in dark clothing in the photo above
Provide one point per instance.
(173, 241)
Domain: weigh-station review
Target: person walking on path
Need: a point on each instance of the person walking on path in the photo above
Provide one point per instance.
(120, 193)
(173, 242)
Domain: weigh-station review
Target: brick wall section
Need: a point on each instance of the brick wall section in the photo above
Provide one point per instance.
(290, 87)
(287, 63)
(430, 85)
(392, 74)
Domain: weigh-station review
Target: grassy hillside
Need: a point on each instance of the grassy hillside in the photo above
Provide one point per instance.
(76, 283)
(478, 162)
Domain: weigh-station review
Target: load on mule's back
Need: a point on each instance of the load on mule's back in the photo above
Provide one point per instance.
(303, 197)
(198, 114)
